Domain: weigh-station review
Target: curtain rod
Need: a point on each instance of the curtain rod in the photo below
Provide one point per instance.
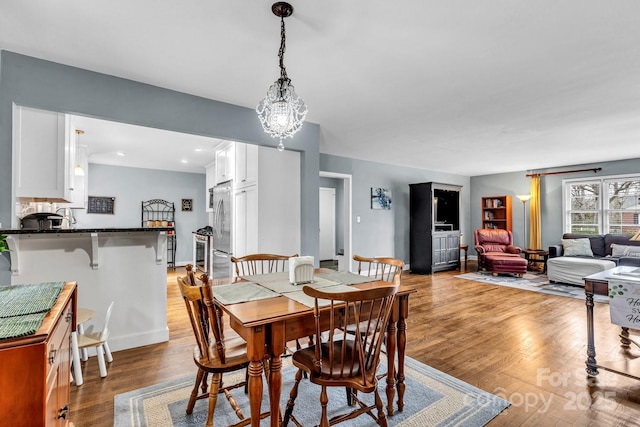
(594, 170)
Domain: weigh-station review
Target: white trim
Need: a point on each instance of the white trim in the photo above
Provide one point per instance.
(348, 225)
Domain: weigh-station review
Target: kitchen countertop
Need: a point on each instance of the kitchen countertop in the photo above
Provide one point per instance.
(85, 230)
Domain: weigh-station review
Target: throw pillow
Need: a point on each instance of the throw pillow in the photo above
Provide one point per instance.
(632, 251)
(577, 247)
(624, 250)
(617, 250)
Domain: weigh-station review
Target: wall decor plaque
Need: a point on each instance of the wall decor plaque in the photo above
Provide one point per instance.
(101, 205)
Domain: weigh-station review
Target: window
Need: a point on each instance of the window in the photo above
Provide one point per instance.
(600, 206)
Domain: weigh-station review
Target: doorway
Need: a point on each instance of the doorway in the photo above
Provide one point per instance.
(327, 224)
(342, 243)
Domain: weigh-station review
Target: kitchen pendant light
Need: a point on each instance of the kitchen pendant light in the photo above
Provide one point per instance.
(282, 111)
(78, 171)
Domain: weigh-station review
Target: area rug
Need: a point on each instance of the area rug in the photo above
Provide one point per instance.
(533, 282)
(432, 398)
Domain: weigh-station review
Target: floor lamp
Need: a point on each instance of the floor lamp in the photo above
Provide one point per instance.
(524, 198)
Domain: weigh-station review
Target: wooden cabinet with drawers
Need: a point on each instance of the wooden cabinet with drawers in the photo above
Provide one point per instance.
(35, 370)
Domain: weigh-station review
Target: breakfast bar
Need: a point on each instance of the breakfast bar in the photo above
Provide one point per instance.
(124, 265)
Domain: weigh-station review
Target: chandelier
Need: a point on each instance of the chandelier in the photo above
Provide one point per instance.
(282, 111)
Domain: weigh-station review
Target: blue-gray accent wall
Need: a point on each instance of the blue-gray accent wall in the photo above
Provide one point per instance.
(386, 232)
(551, 210)
(33, 82)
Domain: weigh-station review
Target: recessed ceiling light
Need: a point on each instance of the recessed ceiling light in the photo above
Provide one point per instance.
(197, 150)
(121, 153)
(184, 161)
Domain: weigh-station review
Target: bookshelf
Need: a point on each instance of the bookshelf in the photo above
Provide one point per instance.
(496, 212)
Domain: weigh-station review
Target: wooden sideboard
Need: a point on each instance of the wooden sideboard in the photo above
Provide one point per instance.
(35, 370)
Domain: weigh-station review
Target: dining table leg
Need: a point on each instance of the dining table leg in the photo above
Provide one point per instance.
(256, 354)
(391, 357)
(403, 312)
(277, 346)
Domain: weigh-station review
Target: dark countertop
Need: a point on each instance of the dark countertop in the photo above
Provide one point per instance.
(85, 230)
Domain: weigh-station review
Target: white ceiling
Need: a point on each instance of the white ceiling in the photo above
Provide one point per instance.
(464, 86)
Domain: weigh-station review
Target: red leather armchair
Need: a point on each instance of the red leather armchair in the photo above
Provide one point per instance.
(493, 242)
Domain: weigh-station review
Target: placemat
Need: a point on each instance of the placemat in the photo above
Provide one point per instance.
(241, 292)
(284, 287)
(22, 307)
(346, 277)
(268, 277)
(305, 299)
(18, 300)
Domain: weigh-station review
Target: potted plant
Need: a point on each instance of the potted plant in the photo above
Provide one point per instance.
(4, 247)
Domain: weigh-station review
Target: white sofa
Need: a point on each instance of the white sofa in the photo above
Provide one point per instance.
(581, 255)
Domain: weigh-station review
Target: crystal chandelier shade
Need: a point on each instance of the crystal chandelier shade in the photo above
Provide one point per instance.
(282, 111)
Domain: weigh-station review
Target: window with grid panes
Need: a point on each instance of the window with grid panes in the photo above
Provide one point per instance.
(604, 205)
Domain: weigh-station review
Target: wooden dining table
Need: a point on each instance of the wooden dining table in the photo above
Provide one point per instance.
(268, 324)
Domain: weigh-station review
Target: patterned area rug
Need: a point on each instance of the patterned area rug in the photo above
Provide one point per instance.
(432, 398)
(532, 282)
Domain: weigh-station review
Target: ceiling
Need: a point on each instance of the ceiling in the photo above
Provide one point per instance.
(462, 86)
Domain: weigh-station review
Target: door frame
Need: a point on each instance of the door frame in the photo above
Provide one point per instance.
(333, 213)
(347, 214)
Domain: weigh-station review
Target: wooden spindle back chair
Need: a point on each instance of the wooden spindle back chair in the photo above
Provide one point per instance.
(213, 354)
(253, 264)
(382, 268)
(342, 360)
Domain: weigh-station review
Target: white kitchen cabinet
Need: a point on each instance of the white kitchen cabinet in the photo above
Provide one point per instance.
(267, 213)
(44, 155)
(245, 205)
(79, 179)
(210, 182)
(225, 162)
(246, 165)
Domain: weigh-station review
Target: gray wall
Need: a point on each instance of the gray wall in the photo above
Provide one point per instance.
(51, 86)
(551, 195)
(382, 232)
(132, 186)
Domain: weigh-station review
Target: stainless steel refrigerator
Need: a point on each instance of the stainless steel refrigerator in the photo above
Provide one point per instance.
(222, 230)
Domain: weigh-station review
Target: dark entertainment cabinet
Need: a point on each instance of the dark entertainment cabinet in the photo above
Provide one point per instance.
(434, 227)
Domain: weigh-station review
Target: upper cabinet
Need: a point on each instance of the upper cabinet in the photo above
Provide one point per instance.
(225, 163)
(44, 155)
(238, 162)
(246, 162)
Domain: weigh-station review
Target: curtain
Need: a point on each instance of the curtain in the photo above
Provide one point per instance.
(535, 232)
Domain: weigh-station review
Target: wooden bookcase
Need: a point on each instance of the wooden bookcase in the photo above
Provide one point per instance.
(496, 212)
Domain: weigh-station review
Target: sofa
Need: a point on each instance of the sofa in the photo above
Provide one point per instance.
(580, 255)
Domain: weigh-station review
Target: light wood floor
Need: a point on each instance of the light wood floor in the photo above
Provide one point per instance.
(524, 346)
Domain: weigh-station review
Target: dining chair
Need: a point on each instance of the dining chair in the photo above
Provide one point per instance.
(343, 360)
(386, 269)
(97, 340)
(253, 264)
(382, 268)
(213, 354)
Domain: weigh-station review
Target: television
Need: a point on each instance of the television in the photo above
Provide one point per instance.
(446, 208)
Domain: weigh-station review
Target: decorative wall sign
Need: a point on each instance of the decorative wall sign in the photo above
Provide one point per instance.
(101, 205)
(187, 205)
(380, 198)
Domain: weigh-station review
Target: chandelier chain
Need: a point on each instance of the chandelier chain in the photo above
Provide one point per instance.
(283, 70)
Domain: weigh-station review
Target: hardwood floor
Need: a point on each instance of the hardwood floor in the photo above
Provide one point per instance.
(524, 346)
